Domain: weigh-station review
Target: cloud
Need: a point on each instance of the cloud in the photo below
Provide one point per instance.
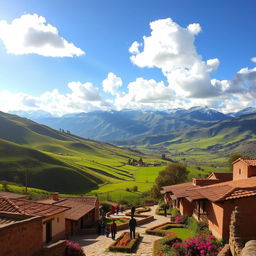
(30, 34)
(142, 92)
(253, 59)
(171, 48)
(83, 97)
(112, 83)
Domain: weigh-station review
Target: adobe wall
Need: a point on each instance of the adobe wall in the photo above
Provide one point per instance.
(247, 207)
(55, 249)
(58, 226)
(22, 238)
(215, 218)
(186, 207)
(240, 170)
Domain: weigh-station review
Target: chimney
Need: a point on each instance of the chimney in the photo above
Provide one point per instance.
(204, 182)
(55, 196)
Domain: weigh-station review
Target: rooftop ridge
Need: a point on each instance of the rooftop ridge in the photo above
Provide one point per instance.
(12, 204)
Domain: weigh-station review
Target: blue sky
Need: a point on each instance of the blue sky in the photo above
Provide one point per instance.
(40, 70)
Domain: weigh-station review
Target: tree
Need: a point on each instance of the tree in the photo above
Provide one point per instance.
(174, 173)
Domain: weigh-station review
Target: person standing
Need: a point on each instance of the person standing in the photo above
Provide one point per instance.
(132, 211)
(113, 229)
(132, 226)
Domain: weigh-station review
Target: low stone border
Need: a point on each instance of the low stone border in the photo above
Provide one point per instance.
(160, 231)
(129, 248)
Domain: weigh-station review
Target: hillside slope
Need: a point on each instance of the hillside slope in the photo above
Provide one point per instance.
(57, 161)
(220, 140)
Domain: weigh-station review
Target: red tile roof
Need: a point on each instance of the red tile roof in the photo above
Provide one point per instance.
(225, 190)
(178, 190)
(37, 209)
(6, 205)
(221, 176)
(79, 206)
(249, 162)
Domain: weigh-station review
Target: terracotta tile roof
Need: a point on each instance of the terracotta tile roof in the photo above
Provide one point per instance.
(178, 190)
(37, 209)
(10, 218)
(13, 195)
(221, 176)
(250, 162)
(79, 206)
(225, 190)
(6, 205)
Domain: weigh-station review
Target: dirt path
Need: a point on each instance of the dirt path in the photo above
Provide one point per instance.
(95, 245)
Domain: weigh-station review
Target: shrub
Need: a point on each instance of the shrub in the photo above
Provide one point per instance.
(74, 249)
(135, 189)
(178, 219)
(201, 246)
(164, 246)
(174, 212)
(197, 227)
(106, 207)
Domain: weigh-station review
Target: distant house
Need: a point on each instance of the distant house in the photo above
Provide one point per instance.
(20, 234)
(83, 212)
(53, 216)
(213, 199)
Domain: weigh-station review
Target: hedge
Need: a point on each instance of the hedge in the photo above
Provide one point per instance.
(160, 230)
(129, 248)
(158, 244)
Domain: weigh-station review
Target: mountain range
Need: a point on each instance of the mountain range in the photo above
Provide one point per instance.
(120, 127)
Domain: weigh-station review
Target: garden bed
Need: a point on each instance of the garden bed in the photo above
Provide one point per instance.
(125, 244)
(164, 229)
(160, 211)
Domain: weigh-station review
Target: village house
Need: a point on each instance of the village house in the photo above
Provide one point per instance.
(212, 200)
(83, 212)
(52, 216)
(20, 234)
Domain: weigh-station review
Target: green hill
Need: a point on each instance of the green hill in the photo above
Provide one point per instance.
(58, 161)
(216, 142)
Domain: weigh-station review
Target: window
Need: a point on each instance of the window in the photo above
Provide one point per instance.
(239, 171)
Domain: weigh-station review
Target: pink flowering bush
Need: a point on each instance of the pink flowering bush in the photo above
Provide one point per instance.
(197, 246)
(178, 219)
(74, 249)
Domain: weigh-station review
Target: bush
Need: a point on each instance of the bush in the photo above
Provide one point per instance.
(135, 189)
(164, 246)
(174, 212)
(74, 249)
(178, 220)
(197, 227)
(201, 246)
(106, 207)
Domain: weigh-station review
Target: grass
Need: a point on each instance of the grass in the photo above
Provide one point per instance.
(69, 164)
(182, 233)
(117, 221)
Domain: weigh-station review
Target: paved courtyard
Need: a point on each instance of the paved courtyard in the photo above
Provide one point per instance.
(95, 245)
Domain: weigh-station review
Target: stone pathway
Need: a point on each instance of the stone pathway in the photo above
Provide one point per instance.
(95, 245)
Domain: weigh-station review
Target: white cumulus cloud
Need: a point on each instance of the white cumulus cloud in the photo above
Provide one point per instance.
(30, 34)
(112, 83)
